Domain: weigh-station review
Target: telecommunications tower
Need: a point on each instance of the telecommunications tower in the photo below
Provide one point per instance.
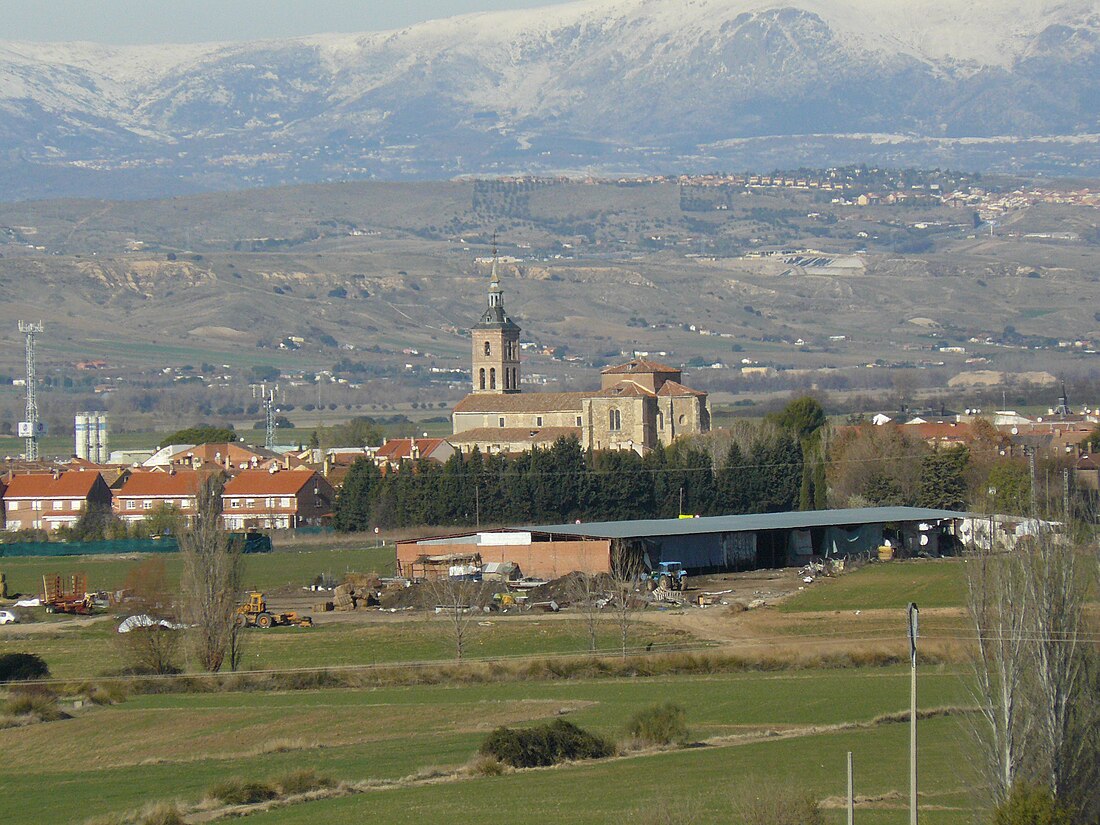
(30, 428)
(267, 401)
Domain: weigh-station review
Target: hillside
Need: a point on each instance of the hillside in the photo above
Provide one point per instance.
(390, 276)
(612, 86)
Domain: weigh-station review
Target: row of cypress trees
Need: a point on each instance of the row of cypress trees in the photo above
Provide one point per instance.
(564, 483)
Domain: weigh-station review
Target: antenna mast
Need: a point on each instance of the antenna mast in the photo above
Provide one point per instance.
(30, 428)
(269, 415)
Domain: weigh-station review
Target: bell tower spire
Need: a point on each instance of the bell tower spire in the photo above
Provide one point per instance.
(495, 342)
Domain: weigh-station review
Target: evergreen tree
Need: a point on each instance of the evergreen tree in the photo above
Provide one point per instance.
(352, 512)
(943, 479)
(732, 483)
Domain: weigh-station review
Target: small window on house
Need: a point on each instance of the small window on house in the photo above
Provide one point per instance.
(500, 421)
(185, 503)
(234, 502)
(288, 502)
(13, 506)
(58, 504)
(538, 420)
(660, 420)
(131, 504)
(250, 502)
(615, 421)
(76, 504)
(147, 504)
(36, 504)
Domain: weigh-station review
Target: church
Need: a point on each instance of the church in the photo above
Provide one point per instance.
(639, 404)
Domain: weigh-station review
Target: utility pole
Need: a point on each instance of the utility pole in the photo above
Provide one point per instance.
(851, 792)
(1065, 498)
(1031, 470)
(30, 428)
(914, 613)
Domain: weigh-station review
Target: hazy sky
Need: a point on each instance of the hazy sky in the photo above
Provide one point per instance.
(192, 21)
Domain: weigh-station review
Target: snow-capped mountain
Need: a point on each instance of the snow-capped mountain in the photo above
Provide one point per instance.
(607, 84)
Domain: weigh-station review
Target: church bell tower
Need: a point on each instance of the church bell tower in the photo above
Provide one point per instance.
(496, 344)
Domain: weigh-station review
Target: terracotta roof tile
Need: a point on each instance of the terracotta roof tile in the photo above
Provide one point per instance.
(177, 484)
(264, 483)
(627, 389)
(398, 448)
(499, 435)
(73, 484)
(530, 402)
(637, 365)
(676, 389)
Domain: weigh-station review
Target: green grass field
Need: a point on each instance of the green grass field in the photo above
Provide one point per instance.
(96, 650)
(760, 731)
(175, 746)
(929, 583)
(266, 571)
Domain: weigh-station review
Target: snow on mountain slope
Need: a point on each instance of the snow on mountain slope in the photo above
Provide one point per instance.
(476, 91)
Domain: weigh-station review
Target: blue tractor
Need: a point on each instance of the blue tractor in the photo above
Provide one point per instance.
(669, 575)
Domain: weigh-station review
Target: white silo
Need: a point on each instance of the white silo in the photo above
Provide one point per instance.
(102, 452)
(81, 436)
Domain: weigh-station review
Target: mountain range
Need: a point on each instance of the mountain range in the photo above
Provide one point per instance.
(607, 86)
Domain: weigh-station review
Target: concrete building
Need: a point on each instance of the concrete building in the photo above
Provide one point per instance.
(712, 544)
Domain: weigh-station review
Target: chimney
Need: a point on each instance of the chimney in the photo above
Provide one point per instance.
(56, 474)
(228, 462)
(326, 467)
(286, 461)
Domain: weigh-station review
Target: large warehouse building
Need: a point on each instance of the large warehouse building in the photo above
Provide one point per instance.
(712, 544)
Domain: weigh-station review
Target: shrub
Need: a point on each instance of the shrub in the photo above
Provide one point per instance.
(302, 781)
(486, 766)
(1030, 805)
(781, 807)
(237, 791)
(547, 744)
(37, 701)
(659, 725)
(161, 813)
(18, 667)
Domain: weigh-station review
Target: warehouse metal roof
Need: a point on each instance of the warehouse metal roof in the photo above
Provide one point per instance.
(751, 522)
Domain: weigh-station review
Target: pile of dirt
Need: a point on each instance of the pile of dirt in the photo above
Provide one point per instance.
(566, 589)
(425, 596)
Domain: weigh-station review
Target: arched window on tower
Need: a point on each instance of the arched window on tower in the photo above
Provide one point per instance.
(481, 378)
(488, 348)
(492, 378)
(615, 422)
(507, 379)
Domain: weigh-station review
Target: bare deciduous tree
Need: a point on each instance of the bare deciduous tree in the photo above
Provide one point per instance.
(456, 602)
(625, 582)
(999, 613)
(212, 573)
(149, 647)
(1056, 595)
(588, 595)
(1034, 665)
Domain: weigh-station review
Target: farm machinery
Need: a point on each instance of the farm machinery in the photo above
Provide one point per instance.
(669, 575)
(254, 613)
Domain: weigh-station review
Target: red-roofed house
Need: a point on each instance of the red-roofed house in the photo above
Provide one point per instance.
(46, 501)
(396, 450)
(276, 499)
(143, 492)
